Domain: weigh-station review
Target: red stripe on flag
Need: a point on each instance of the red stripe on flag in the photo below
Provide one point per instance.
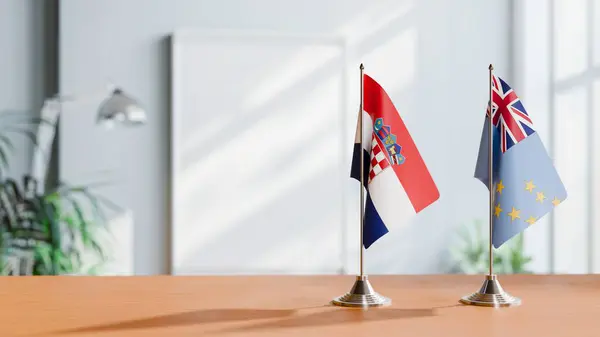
(413, 173)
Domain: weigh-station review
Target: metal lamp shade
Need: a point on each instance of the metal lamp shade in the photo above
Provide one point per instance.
(119, 108)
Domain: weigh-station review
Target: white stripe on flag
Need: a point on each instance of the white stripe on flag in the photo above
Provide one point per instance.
(390, 200)
(367, 132)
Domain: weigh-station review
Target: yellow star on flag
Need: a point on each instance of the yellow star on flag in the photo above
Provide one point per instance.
(499, 187)
(529, 186)
(531, 220)
(497, 210)
(555, 201)
(540, 197)
(514, 214)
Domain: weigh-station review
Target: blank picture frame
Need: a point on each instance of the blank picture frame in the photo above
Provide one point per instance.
(259, 153)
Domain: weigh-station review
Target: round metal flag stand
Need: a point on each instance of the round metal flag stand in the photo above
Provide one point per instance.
(361, 295)
(491, 294)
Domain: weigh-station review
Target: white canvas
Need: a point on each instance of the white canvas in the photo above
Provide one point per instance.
(259, 153)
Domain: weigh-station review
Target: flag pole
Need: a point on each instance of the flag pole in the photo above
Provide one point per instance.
(362, 170)
(362, 294)
(491, 169)
(491, 293)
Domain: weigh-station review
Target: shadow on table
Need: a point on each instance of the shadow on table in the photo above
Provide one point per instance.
(288, 318)
(334, 317)
(186, 318)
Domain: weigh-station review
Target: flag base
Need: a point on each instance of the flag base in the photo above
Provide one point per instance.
(361, 295)
(491, 294)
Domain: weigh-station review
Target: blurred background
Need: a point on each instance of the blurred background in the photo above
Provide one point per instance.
(243, 164)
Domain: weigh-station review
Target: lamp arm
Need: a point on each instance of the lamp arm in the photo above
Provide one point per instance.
(52, 108)
(76, 97)
(45, 135)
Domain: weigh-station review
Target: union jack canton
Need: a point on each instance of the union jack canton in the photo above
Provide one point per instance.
(509, 115)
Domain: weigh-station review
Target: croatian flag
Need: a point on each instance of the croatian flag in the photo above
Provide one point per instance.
(394, 171)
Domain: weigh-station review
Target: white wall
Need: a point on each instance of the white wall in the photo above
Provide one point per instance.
(23, 72)
(431, 56)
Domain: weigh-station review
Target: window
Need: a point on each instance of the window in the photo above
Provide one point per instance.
(557, 70)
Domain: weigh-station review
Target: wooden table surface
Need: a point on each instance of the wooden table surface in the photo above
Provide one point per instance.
(292, 306)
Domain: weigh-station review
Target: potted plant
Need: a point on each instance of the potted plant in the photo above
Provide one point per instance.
(47, 233)
(471, 253)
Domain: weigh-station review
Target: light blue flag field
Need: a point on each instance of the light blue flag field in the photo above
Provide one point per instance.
(526, 184)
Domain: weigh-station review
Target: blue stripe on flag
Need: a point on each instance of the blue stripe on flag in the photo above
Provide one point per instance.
(374, 228)
(355, 168)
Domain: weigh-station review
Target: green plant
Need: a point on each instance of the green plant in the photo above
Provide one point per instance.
(54, 229)
(471, 254)
(63, 211)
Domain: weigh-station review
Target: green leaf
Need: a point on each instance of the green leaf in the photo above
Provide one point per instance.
(6, 147)
(43, 254)
(97, 247)
(76, 259)
(55, 233)
(5, 140)
(61, 216)
(66, 265)
(3, 158)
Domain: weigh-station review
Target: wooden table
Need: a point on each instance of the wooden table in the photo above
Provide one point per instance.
(292, 306)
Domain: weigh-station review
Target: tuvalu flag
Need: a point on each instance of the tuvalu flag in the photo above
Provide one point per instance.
(393, 168)
(526, 184)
